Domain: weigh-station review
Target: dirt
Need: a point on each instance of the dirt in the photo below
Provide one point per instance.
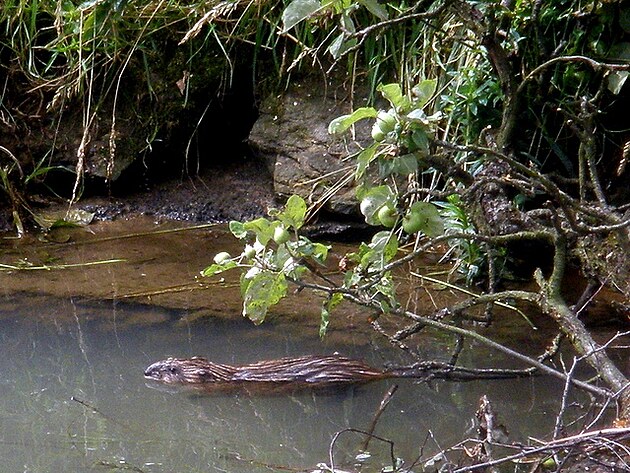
(240, 189)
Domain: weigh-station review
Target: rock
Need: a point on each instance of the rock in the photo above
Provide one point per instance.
(291, 134)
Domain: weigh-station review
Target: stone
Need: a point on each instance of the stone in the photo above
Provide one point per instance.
(291, 135)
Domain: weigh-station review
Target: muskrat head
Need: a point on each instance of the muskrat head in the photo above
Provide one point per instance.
(166, 371)
(188, 370)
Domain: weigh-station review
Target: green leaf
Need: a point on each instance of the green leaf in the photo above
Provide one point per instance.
(393, 93)
(320, 252)
(373, 199)
(324, 321)
(294, 212)
(418, 115)
(401, 165)
(423, 92)
(420, 140)
(375, 9)
(380, 251)
(406, 164)
(263, 229)
(353, 278)
(63, 218)
(364, 159)
(341, 124)
(297, 11)
(347, 23)
(306, 248)
(387, 243)
(387, 294)
(237, 229)
(340, 45)
(424, 217)
(327, 307)
(616, 80)
(262, 291)
(218, 268)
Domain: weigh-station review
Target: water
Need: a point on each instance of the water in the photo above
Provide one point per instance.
(73, 397)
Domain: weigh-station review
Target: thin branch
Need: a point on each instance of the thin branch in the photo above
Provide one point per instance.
(565, 395)
(377, 415)
(596, 65)
(555, 445)
(375, 27)
(338, 434)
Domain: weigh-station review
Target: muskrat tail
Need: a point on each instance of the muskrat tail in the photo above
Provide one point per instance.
(439, 370)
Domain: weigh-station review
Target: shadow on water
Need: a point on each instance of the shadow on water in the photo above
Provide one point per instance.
(72, 397)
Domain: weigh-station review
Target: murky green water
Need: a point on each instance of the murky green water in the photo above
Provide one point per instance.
(73, 398)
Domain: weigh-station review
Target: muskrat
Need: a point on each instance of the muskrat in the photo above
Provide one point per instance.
(310, 369)
(307, 371)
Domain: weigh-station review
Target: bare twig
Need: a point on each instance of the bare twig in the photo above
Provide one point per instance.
(594, 437)
(387, 397)
(331, 448)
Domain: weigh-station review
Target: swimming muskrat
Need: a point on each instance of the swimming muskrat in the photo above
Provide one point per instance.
(306, 371)
(331, 369)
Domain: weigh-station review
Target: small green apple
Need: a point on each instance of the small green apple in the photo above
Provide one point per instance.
(387, 216)
(281, 235)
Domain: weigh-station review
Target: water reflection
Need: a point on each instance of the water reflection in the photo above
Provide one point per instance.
(73, 397)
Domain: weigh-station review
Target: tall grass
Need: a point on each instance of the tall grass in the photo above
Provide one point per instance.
(106, 54)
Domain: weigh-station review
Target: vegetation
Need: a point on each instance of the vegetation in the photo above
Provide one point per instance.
(90, 86)
(512, 147)
(500, 136)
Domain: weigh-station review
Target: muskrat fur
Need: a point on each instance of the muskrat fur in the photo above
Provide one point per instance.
(309, 371)
(315, 370)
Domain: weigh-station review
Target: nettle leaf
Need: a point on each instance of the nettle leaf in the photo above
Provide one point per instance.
(393, 93)
(373, 199)
(341, 124)
(423, 92)
(262, 291)
(297, 11)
